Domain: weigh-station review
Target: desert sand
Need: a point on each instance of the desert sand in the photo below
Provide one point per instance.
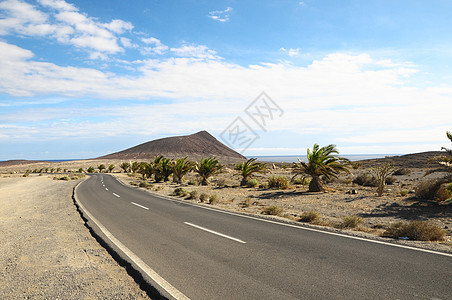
(46, 252)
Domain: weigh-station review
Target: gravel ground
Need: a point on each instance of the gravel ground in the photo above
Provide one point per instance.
(46, 252)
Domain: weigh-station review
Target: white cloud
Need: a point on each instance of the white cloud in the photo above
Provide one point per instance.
(62, 21)
(199, 51)
(364, 102)
(291, 52)
(220, 15)
(157, 46)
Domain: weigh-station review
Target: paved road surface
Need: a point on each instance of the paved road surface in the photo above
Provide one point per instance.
(207, 254)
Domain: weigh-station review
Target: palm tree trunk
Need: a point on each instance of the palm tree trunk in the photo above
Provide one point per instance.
(316, 185)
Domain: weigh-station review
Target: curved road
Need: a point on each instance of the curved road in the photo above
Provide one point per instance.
(208, 254)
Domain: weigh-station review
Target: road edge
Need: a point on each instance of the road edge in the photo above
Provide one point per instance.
(149, 281)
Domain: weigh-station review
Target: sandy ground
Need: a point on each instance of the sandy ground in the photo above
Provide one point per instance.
(46, 252)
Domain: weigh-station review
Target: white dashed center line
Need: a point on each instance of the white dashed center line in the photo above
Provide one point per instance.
(217, 233)
(116, 195)
(139, 205)
(106, 189)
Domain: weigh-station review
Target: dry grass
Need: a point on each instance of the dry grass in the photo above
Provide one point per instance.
(415, 230)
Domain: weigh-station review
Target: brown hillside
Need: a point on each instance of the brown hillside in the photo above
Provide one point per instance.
(414, 160)
(195, 146)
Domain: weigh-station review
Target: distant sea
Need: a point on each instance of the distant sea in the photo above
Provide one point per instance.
(291, 158)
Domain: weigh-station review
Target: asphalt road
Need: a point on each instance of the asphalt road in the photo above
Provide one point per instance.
(208, 254)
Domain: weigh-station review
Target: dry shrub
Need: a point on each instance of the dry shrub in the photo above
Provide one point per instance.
(402, 171)
(415, 230)
(252, 183)
(272, 210)
(428, 189)
(278, 182)
(213, 199)
(444, 192)
(309, 217)
(366, 180)
(390, 180)
(193, 195)
(221, 182)
(181, 192)
(203, 197)
(351, 221)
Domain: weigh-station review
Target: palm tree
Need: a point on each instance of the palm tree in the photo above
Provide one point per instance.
(145, 170)
(181, 167)
(101, 167)
(321, 162)
(207, 168)
(162, 168)
(110, 168)
(248, 168)
(135, 166)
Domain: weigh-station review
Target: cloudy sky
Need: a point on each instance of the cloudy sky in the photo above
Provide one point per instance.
(80, 79)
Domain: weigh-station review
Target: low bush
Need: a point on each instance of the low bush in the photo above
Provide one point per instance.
(356, 165)
(213, 199)
(90, 170)
(272, 210)
(351, 221)
(309, 217)
(428, 189)
(252, 183)
(390, 180)
(415, 230)
(143, 184)
(180, 192)
(402, 171)
(203, 197)
(365, 180)
(278, 182)
(444, 192)
(192, 182)
(302, 180)
(193, 195)
(264, 185)
(404, 193)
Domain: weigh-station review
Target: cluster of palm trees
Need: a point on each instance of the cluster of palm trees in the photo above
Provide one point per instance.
(322, 163)
(161, 168)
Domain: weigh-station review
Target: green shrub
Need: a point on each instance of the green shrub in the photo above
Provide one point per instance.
(66, 178)
(309, 217)
(272, 210)
(402, 171)
(278, 182)
(415, 230)
(302, 180)
(356, 165)
(90, 170)
(264, 185)
(193, 195)
(213, 199)
(404, 193)
(203, 197)
(351, 221)
(181, 192)
(191, 182)
(252, 183)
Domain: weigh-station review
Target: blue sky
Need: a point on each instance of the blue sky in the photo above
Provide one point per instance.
(80, 79)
